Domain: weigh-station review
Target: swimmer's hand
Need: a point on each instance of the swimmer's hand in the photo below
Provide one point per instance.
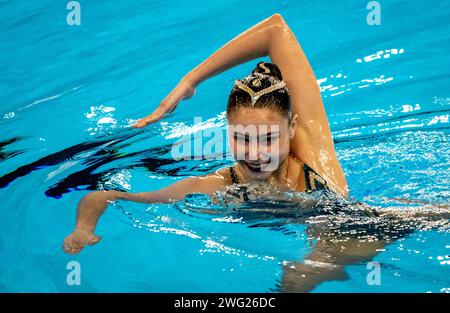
(89, 210)
(79, 238)
(184, 90)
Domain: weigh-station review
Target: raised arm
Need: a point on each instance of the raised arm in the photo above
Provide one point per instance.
(313, 142)
(252, 43)
(94, 204)
(272, 37)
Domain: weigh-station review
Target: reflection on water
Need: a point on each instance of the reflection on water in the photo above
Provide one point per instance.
(67, 131)
(344, 232)
(334, 215)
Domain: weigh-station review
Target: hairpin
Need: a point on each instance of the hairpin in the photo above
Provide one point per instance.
(256, 82)
(256, 95)
(264, 67)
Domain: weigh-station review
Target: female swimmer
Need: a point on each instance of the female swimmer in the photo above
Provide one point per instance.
(281, 133)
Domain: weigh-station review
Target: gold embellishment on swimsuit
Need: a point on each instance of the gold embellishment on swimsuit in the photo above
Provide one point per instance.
(256, 95)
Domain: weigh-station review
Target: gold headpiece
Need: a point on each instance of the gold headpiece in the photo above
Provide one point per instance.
(255, 95)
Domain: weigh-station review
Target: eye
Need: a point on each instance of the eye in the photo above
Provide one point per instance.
(270, 139)
(240, 138)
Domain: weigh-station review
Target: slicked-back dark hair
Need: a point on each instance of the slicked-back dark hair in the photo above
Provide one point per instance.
(263, 76)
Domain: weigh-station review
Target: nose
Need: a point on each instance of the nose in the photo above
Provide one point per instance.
(257, 152)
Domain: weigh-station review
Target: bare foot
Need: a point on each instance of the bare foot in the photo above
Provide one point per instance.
(76, 241)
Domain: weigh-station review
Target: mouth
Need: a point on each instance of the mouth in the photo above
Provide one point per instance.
(256, 166)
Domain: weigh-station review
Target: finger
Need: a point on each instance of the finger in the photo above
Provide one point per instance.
(75, 248)
(68, 249)
(71, 246)
(140, 124)
(65, 249)
(147, 121)
(66, 245)
(164, 108)
(94, 240)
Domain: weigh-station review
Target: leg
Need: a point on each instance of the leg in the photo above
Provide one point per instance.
(326, 263)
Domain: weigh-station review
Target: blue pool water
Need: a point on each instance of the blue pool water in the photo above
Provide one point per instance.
(68, 95)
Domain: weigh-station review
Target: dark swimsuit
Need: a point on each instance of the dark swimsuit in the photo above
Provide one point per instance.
(388, 230)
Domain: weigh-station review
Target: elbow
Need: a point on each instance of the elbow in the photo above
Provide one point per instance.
(277, 19)
(279, 27)
(278, 31)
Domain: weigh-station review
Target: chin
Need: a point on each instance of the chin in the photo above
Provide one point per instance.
(258, 175)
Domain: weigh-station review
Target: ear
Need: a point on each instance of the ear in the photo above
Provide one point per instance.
(293, 126)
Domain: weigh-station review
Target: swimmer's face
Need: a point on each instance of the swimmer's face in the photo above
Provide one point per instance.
(260, 139)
